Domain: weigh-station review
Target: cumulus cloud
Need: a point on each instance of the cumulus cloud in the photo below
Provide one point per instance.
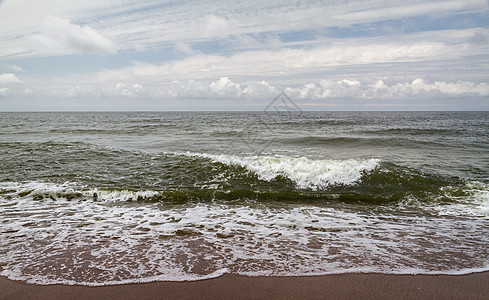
(225, 88)
(449, 88)
(221, 88)
(118, 90)
(124, 90)
(8, 84)
(4, 92)
(9, 78)
(379, 89)
(81, 91)
(60, 37)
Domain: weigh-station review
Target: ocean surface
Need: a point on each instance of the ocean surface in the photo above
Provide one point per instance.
(107, 198)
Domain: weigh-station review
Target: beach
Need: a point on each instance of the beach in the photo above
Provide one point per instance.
(343, 286)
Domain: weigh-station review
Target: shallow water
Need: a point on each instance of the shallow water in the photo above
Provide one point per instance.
(106, 198)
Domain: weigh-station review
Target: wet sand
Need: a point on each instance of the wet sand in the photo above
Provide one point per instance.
(344, 286)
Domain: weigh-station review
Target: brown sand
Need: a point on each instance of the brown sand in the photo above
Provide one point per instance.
(345, 286)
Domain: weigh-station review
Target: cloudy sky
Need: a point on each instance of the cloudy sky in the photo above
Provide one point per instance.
(239, 55)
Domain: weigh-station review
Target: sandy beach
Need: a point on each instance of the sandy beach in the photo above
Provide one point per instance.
(344, 286)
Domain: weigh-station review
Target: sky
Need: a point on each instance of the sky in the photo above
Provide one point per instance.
(118, 55)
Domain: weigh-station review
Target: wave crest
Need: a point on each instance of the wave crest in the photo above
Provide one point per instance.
(304, 172)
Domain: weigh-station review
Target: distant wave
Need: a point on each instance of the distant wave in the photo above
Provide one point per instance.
(361, 140)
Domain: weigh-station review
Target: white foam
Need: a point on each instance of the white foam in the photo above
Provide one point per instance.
(480, 195)
(111, 242)
(473, 201)
(57, 191)
(304, 172)
(170, 275)
(38, 188)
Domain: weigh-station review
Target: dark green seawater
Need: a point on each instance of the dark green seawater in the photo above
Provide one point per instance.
(107, 198)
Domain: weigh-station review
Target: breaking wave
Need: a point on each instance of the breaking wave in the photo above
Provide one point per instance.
(304, 172)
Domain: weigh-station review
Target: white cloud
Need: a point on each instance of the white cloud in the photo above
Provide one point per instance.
(139, 25)
(4, 92)
(392, 10)
(248, 42)
(216, 26)
(77, 91)
(124, 90)
(185, 48)
(418, 87)
(59, 37)
(361, 54)
(260, 89)
(282, 62)
(118, 90)
(244, 49)
(225, 88)
(9, 78)
(14, 68)
(368, 55)
(220, 88)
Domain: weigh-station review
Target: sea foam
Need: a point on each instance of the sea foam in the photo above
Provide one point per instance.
(304, 172)
(95, 242)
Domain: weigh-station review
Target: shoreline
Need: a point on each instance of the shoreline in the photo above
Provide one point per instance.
(230, 286)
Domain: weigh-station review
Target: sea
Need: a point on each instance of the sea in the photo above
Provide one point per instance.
(101, 198)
